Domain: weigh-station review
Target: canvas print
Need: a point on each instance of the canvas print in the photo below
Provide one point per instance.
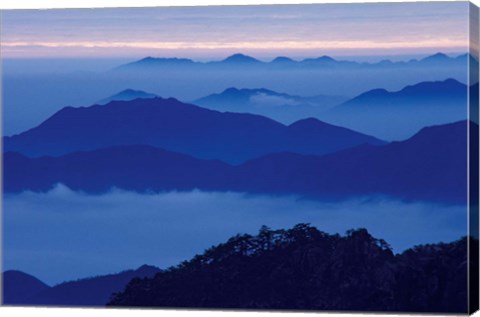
(315, 157)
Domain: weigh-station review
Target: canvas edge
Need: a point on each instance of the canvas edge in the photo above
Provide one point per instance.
(473, 161)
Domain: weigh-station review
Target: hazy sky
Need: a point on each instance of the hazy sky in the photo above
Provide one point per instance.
(215, 32)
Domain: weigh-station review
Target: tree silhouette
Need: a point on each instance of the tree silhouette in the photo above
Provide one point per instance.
(304, 268)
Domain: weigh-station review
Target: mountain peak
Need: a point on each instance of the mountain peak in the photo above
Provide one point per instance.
(436, 57)
(326, 58)
(20, 286)
(150, 61)
(435, 86)
(309, 123)
(240, 58)
(282, 59)
(230, 91)
(127, 95)
(306, 121)
(131, 91)
(321, 59)
(146, 270)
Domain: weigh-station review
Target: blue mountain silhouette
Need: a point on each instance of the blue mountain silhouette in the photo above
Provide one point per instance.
(238, 59)
(179, 127)
(158, 61)
(94, 291)
(127, 95)
(429, 166)
(282, 60)
(19, 287)
(399, 114)
(281, 107)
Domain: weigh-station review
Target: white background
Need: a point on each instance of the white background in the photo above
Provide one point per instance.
(64, 312)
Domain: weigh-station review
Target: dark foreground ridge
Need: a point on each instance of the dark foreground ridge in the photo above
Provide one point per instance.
(305, 269)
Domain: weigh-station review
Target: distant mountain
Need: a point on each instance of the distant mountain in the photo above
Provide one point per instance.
(149, 62)
(242, 60)
(178, 127)
(435, 58)
(277, 106)
(19, 287)
(127, 95)
(283, 60)
(135, 167)
(95, 291)
(399, 114)
(430, 166)
(305, 269)
(23, 289)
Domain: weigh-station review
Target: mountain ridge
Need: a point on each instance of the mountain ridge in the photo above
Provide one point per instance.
(175, 126)
(127, 95)
(321, 61)
(19, 287)
(411, 170)
(396, 115)
(281, 107)
(303, 268)
(91, 291)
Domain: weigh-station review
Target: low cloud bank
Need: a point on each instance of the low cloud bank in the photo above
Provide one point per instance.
(63, 235)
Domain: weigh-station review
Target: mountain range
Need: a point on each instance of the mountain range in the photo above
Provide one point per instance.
(378, 112)
(280, 107)
(179, 127)
(397, 115)
(23, 289)
(245, 61)
(429, 166)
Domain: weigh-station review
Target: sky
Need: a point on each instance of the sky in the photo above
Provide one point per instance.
(204, 33)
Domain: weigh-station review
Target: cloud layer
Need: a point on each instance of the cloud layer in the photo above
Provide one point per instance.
(63, 235)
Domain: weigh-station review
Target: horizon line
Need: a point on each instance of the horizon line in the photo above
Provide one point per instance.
(293, 58)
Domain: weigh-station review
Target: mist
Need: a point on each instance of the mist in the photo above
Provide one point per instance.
(64, 235)
(29, 98)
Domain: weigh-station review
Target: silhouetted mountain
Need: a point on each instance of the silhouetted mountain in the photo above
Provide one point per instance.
(136, 167)
(397, 115)
(277, 106)
(438, 57)
(127, 95)
(306, 269)
(283, 60)
(150, 63)
(429, 166)
(425, 92)
(19, 287)
(95, 291)
(153, 62)
(178, 127)
(240, 59)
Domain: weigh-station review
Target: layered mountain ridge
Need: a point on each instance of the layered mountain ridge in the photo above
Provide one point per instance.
(239, 59)
(429, 166)
(179, 127)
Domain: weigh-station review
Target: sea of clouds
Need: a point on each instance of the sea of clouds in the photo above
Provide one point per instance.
(64, 235)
